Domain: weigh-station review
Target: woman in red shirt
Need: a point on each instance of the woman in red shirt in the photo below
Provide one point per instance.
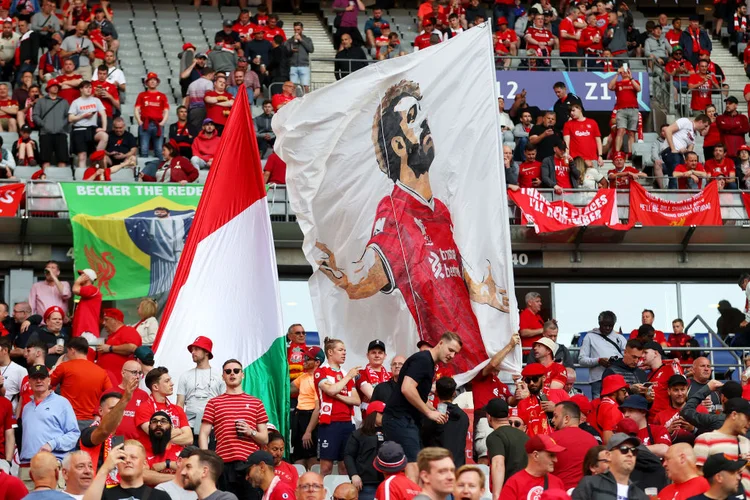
(174, 168)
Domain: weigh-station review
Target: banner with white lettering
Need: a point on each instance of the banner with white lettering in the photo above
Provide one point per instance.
(701, 209)
(132, 235)
(10, 199)
(550, 216)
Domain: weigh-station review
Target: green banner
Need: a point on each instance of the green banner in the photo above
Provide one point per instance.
(132, 235)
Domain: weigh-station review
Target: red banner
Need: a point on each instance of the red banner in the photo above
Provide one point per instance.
(746, 201)
(10, 199)
(700, 210)
(550, 216)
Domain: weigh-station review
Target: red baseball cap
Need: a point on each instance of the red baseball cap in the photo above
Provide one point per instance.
(513, 412)
(376, 407)
(188, 45)
(152, 75)
(619, 155)
(705, 52)
(38, 174)
(51, 83)
(533, 370)
(744, 147)
(53, 309)
(502, 21)
(111, 312)
(542, 442)
(612, 384)
(97, 155)
(628, 426)
(385, 25)
(204, 343)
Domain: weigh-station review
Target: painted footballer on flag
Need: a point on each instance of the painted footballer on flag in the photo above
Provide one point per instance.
(404, 211)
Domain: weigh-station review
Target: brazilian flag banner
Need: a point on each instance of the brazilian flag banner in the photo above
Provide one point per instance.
(131, 235)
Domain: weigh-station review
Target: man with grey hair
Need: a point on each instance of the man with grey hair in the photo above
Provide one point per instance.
(531, 324)
(78, 472)
(570, 387)
(598, 349)
(511, 168)
(562, 355)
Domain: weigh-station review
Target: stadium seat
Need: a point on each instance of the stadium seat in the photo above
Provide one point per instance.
(300, 469)
(331, 481)
(24, 173)
(315, 468)
(59, 174)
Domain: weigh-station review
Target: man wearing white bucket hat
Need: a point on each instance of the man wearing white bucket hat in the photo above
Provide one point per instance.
(544, 352)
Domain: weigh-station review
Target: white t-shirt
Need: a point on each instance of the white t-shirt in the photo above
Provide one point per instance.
(685, 135)
(198, 386)
(77, 497)
(591, 178)
(13, 375)
(175, 492)
(114, 75)
(622, 491)
(86, 105)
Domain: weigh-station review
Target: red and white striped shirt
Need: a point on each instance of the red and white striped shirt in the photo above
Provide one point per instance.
(732, 447)
(222, 412)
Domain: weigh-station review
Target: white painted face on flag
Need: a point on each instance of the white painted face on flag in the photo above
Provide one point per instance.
(414, 124)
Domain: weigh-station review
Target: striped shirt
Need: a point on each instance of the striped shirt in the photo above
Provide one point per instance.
(222, 412)
(715, 442)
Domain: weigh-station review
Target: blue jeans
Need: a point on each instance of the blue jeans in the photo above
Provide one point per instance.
(520, 148)
(671, 160)
(506, 11)
(368, 492)
(149, 134)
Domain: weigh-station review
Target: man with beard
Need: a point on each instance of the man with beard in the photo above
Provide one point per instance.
(198, 385)
(627, 366)
(200, 474)
(608, 414)
(599, 347)
(260, 474)
(161, 454)
(723, 476)
(411, 222)
(383, 391)
(537, 404)
(659, 376)
(680, 430)
(78, 472)
(176, 487)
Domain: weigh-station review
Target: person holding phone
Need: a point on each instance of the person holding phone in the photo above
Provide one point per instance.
(51, 291)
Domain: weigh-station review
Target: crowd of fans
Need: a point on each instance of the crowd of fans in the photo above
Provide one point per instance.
(92, 418)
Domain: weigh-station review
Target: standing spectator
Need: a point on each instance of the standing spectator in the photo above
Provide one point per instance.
(81, 381)
(570, 34)
(626, 94)
(701, 84)
(723, 476)
(122, 147)
(659, 377)
(614, 484)
(205, 146)
(120, 345)
(55, 429)
(505, 445)
(680, 466)
(250, 79)
(114, 74)
(710, 421)
(436, 473)
(286, 471)
(556, 171)
(536, 401)
(198, 385)
(346, 16)
(530, 171)
(239, 422)
(608, 415)
(729, 439)
(361, 452)
(239, 85)
(218, 104)
(563, 104)
(131, 374)
(544, 136)
(531, 323)
(86, 136)
(51, 115)
(159, 382)
(190, 66)
(259, 47)
(486, 385)
(260, 473)
(27, 53)
(694, 39)
(452, 434)
(202, 471)
(616, 33)
(536, 477)
(79, 48)
(627, 366)
(51, 334)
(148, 324)
(647, 319)
(407, 405)
(304, 419)
(299, 47)
(87, 319)
(599, 345)
(176, 487)
(44, 470)
(12, 376)
(151, 112)
(161, 453)
(673, 36)
(582, 137)
(562, 354)
(8, 43)
(566, 420)
(51, 291)
(349, 58)
(680, 137)
(69, 81)
(77, 472)
(681, 339)
(391, 461)
(263, 130)
(373, 373)
(733, 127)
(179, 132)
(679, 69)
(221, 58)
(107, 92)
(521, 136)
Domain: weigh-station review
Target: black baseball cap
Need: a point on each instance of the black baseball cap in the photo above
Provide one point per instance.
(255, 458)
(719, 462)
(37, 371)
(497, 408)
(677, 380)
(653, 345)
(732, 99)
(731, 389)
(423, 343)
(376, 344)
(739, 405)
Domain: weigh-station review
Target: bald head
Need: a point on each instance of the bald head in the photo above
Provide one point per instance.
(679, 463)
(44, 469)
(347, 491)
(702, 370)
(310, 487)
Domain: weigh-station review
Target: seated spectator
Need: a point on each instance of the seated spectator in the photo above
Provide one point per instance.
(349, 58)
(422, 40)
(392, 49)
(78, 47)
(218, 103)
(721, 168)
(8, 110)
(179, 132)
(506, 42)
(275, 170)
(739, 26)
(251, 78)
(51, 116)
(541, 453)
(223, 59)
(743, 167)
(530, 170)
(24, 150)
(621, 174)
(174, 168)
(121, 146)
(97, 169)
(26, 108)
(288, 93)
(107, 32)
(694, 34)
(21, 92)
(263, 130)
(161, 454)
(245, 28)
(107, 92)
(8, 43)
(205, 145)
(679, 69)
(702, 85)
(51, 63)
(541, 41)
(733, 126)
(557, 172)
(657, 48)
(691, 174)
(239, 83)
(151, 112)
(229, 37)
(86, 136)
(373, 27)
(713, 68)
(7, 160)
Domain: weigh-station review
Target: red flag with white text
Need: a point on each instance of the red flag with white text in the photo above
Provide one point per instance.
(702, 209)
(10, 199)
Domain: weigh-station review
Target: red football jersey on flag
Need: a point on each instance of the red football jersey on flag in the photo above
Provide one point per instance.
(414, 239)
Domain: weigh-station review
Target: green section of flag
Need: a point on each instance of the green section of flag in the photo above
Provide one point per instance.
(116, 232)
(267, 378)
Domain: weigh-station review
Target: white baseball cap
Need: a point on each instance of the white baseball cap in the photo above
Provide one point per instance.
(90, 273)
(552, 346)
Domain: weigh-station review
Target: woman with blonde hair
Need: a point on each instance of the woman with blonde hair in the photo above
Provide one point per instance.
(148, 325)
(337, 401)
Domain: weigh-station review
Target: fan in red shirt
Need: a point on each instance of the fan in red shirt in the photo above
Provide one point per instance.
(536, 408)
(422, 41)
(151, 106)
(159, 382)
(582, 136)
(506, 40)
(591, 38)
(530, 171)
(570, 33)
(562, 167)
(647, 318)
(658, 376)
(391, 462)
(722, 168)
(69, 81)
(673, 35)
(635, 411)
(679, 429)
(626, 94)
(284, 470)
(541, 40)
(122, 341)
(244, 26)
(130, 370)
(532, 481)
(258, 470)
(687, 481)
(531, 323)
(271, 30)
(275, 170)
(374, 373)
(691, 174)
(621, 174)
(681, 339)
(86, 318)
(161, 454)
(219, 103)
(107, 92)
(607, 415)
(8, 110)
(701, 84)
(556, 376)
(287, 94)
(486, 386)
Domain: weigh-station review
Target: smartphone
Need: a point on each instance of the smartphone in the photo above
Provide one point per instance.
(625, 66)
(442, 408)
(117, 440)
(648, 384)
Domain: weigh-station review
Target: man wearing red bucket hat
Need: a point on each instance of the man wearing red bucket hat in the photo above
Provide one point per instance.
(608, 414)
(536, 403)
(151, 113)
(198, 385)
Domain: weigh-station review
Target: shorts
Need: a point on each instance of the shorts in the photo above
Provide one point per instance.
(299, 422)
(332, 440)
(82, 140)
(53, 148)
(300, 75)
(627, 118)
(405, 432)
(5, 122)
(720, 11)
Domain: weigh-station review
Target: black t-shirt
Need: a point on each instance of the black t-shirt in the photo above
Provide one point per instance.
(509, 442)
(120, 493)
(421, 368)
(562, 110)
(544, 147)
(121, 144)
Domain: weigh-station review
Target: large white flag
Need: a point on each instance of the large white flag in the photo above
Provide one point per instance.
(395, 175)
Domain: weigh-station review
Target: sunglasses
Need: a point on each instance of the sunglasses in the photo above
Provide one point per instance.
(516, 423)
(532, 379)
(230, 371)
(627, 449)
